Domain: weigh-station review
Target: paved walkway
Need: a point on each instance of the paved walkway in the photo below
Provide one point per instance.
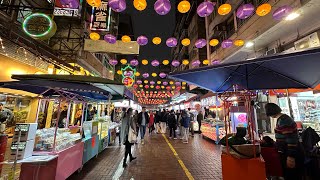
(159, 158)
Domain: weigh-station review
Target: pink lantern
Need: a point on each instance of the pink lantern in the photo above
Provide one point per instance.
(245, 11)
(178, 83)
(205, 8)
(175, 63)
(113, 62)
(196, 63)
(157, 87)
(165, 83)
(139, 82)
(172, 42)
(117, 5)
(282, 12)
(200, 43)
(152, 82)
(145, 75)
(155, 63)
(226, 43)
(142, 40)
(110, 38)
(215, 62)
(134, 62)
(162, 7)
(162, 75)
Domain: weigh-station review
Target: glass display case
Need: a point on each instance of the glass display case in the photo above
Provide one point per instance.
(103, 129)
(213, 129)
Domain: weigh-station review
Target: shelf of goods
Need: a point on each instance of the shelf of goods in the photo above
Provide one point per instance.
(213, 129)
(91, 140)
(103, 128)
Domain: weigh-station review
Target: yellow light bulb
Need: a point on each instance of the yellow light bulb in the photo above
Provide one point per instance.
(94, 3)
(158, 82)
(145, 81)
(171, 82)
(239, 42)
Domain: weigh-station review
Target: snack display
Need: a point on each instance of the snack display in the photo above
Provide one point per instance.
(213, 129)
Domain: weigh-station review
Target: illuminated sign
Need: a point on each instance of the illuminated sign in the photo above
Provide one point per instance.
(101, 17)
(69, 8)
(128, 76)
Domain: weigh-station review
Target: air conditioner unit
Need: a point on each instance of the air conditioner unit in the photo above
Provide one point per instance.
(271, 51)
(309, 41)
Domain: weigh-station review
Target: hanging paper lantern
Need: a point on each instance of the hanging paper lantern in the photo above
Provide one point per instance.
(226, 43)
(205, 8)
(214, 42)
(185, 42)
(94, 36)
(162, 75)
(183, 87)
(238, 42)
(205, 62)
(158, 82)
(145, 62)
(110, 38)
(146, 81)
(171, 82)
(152, 86)
(137, 74)
(152, 83)
(119, 72)
(126, 39)
(162, 87)
(200, 43)
(173, 87)
(162, 7)
(134, 62)
(263, 9)
(165, 62)
(140, 5)
(175, 63)
(157, 87)
(113, 62)
(142, 40)
(139, 82)
(141, 85)
(135, 86)
(156, 40)
(224, 9)
(123, 61)
(155, 63)
(145, 75)
(165, 83)
(281, 12)
(245, 11)
(185, 62)
(146, 86)
(195, 63)
(177, 83)
(171, 42)
(154, 75)
(117, 5)
(168, 88)
(94, 3)
(215, 62)
(184, 83)
(184, 6)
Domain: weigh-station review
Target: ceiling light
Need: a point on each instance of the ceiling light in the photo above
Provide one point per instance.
(292, 16)
(249, 44)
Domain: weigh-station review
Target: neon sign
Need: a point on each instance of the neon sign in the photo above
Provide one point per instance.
(128, 76)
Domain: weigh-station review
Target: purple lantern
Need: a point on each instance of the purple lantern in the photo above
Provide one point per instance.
(215, 62)
(128, 73)
(196, 63)
(281, 12)
(172, 42)
(145, 75)
(72, 4)
(117, 5)
(245, 11)
(200, 43)
(139, 82)
(162, 75)
(134, 62)
(175, 63)
(178, 83)
(165, 83)
(205, 8)
(142, 40)
(226, 43)
(113, 62)
(152, 82)
(110, 38)
(155, 63)
(162, 7)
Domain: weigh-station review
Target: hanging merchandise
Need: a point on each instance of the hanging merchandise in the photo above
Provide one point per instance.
(162, 75)
(184, 6)
(145, 62)
(196, 63)
(134, 62)
(185, 42)
(94, 3)
(200, 43)
(214, 42)
(172, 42)
(94, 36)
(263, 9)
(245, 11)
(118, 5)
(224, 9)
(205, 62)
(126, 39)
(155, 63)
(175, 63)
(123, 61)
(185, 62)
(128, 77)
(239, 42)
(113, 62)
(165, 62)
(156, 40)
(140, 5)
(162, 7)
(226, 43)
(205, 8)
(281, 12)
(110, 38)
(142, 40)
(154, 75)
(145, 75)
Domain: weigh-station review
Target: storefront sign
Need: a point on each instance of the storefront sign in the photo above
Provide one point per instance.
(118, 48)
(101, 17)
(69, 8)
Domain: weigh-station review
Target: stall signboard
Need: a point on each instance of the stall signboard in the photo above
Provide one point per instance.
(210, 101)
(101, 17)
(70, 8)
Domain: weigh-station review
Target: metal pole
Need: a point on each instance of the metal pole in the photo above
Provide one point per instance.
(207, 38)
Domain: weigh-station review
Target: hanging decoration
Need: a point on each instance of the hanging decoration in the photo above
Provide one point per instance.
(245, 11)
(239, 42)
(145, 62)
(135, 86)
(185, 42)
(184, 83)
(155, 63)
(171, 82)
(94, 3)
(200, 43)
(146, 81)
(140, 5)
(156, 40)
(158, 82)
(152, 83)
(126, 39)
(184, 6)
(173, 87)
(113, 62)
(146, 86)
(168, 88)
(282, 12)
(139, 81)
(142, 40)
(152, 86)
(117, 5)
(123, 61)
(196, 63)
(119, 72)
(185, 62)
(165, 62)
(263, 9)
(154, 75)
(183, 87)
(205, 8)
(134, 62)
(226, 43)
(175, 63)
(94, 36)
(141, 85)
(157, 87)
(205, 62)
(214, 42)
(162, 7)
(137, 74)
(145, 75)
(172, 42)
(215, 62)
(162, 75)
(165, 83)
(224, 9)
(128, 77)
(110, 38)
(177, 83)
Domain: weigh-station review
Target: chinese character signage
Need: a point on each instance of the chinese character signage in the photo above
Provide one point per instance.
(128, 76)
(69, 8)
(100, 18)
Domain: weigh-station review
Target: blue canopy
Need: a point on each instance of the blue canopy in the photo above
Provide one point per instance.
(295, 70)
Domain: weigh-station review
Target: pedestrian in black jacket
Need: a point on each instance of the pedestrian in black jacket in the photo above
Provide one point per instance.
(143, 121)
(172, 122)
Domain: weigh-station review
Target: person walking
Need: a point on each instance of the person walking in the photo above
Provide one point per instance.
(163, 121)
(200, 119)
(172, 122)
(151, 122)
(127, 122)
(143, 120)
(191, 122)
(185, 126)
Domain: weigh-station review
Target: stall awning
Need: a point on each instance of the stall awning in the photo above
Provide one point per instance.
(295, 70)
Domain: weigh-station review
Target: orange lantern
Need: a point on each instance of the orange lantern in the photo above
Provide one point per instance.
(123, 61)
(238, 42)
(165, 62)
(144, 62)
(263, 9)
(137, 74)
(205, 62)
(184, 6)
(156, 40)
(94, 3)
(224, 9)
(140, 5)
(185, 42)
(185, 62)
(126, 39)
(94, 36)
(214, 42)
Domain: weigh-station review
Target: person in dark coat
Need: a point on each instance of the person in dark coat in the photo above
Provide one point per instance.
(163, 121)
(143, 121)
(172, 123)
(200, 119)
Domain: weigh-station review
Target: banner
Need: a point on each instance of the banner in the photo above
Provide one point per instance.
(69, 8)
(101, 18)
(119, 47)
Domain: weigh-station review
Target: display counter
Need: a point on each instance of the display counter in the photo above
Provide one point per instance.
(212, 129)
(103, 129)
